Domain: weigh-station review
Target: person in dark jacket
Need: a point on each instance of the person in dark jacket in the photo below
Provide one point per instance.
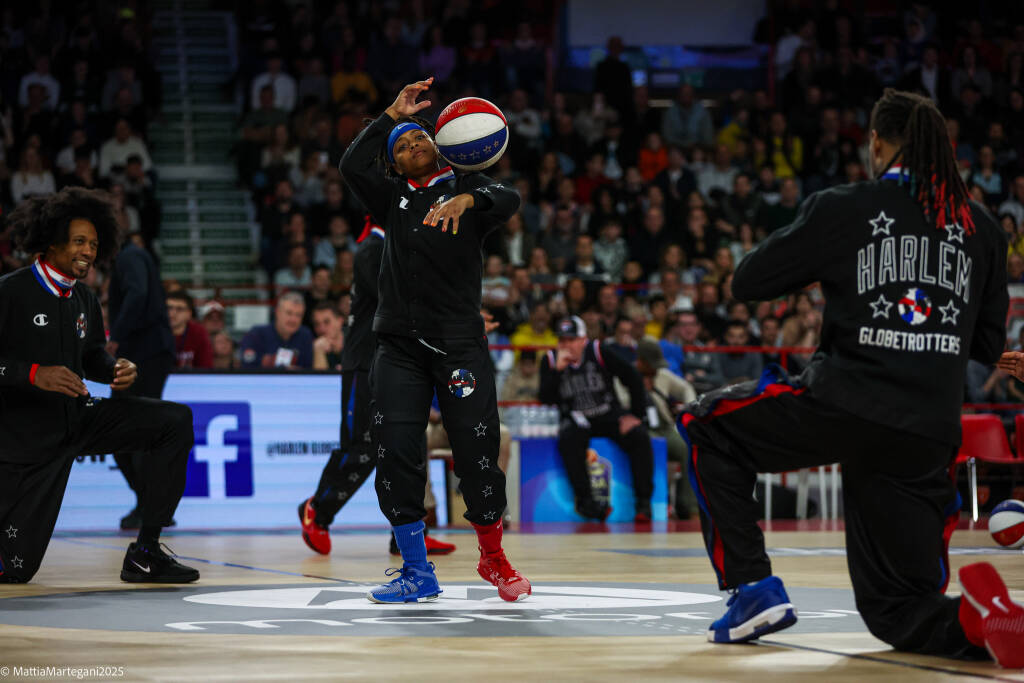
(430, 337)
(579, 381)
(51, 336)
(139, 331)
(914, 281)
(351, 463)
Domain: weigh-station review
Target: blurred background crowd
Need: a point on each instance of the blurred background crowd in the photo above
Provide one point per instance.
(638, 197)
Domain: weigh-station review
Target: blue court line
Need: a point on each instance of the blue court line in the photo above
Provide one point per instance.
(277, 531)
(233, 565)
(883, 660)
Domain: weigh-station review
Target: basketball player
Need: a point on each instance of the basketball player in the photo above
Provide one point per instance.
(914, 277)
(351, 464)
(51, 335)
(430, 337)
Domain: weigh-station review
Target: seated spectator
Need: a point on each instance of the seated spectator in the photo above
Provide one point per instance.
(610, 251)
(537, 330)
(80, 84)
(657, 308)
(667, 392)
(539, 268)
(128, 217)
(258, 130)
(84, 172)
(987, 177)
(709, 308)
(583, 264)
(334, 203)
(211, 316)
(284, 343)
(653, 157)
(308, 180)
(280, 158)
(676, 180)
(687, 122)
(985, 384)
(1014, 205)
(672, 290)
(117, 79)
(783, 151)
(574, 297)
(65, 160)
(343, 273)
(224, 357)
(739, 366)
(327, 324)
(771, 336)
(621, 339)
(701, 369)
(646, 245)
(716, 180)
(115, 152)
(192, 346)
(559, 242)
(775, 216)
(742, 204)
(524, 122)
(438, 58)
(523, 383)
(313, 85)
(608, 309)
(495, 285)
(40, 76)
(514, 243)
(283, 85)
(31, 179)
(296, 273)
(339, 238)
(793, 322)
(319, 292)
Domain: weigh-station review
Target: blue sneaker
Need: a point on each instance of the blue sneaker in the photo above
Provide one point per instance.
(754, 610)
(411, 585)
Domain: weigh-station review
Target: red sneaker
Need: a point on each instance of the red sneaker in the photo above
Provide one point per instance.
(316, 537)
(495, 569)
(436, 547)
(1001, 620)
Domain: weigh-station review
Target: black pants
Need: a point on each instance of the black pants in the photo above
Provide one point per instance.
(897, 496)
(573, 441)
(405, 374)
(31, 494)
(149, 384)
(351, 464)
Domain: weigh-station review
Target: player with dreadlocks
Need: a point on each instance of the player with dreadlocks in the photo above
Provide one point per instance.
(51, 336)
(914, 279)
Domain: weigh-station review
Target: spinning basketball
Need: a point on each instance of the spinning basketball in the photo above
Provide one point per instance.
(472, 134)
(1006, 524)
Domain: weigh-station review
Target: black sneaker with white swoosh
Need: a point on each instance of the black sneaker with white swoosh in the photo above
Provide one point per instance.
(150, 564)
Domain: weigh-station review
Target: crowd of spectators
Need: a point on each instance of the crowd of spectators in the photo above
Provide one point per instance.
(77, 90)
(634, 214)
(636, 205)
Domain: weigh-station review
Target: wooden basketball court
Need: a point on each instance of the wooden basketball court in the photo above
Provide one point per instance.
(616, 604)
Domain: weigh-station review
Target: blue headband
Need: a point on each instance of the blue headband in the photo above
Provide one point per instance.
(397, 132)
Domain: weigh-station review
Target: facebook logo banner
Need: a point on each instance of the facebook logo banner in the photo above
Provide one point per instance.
(220, 464)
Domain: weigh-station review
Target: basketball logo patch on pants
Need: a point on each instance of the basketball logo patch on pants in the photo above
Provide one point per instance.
(462, 383)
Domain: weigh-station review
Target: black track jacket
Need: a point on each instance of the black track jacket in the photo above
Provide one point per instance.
(907, 303)
(430, 281)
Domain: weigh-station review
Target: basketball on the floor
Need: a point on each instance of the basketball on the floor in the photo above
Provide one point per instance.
(1006, 523)
(471, 134)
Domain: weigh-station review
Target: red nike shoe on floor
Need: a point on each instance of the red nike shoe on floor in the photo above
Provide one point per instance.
(317, 537)
(988, 615)
(495, 569)
(434, 546)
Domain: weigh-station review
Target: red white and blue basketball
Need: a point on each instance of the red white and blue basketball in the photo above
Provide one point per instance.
(915, 306)
(471, 134)
(1006, 524)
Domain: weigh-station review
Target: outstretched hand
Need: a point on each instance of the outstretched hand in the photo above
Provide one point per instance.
(405, 104)
(1013, 363)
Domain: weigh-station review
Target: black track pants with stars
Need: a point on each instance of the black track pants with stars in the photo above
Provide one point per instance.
(406, 371)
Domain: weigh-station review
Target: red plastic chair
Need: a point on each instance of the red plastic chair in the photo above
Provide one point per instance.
(984, 439)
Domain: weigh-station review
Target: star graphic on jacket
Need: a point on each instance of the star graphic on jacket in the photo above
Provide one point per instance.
(342, 495)
(880, 308)
(480, 429)
(385, 483)
(488, 490)
(364, 458)
(12, 532)
(949, 312)
(881, 224)
(17, 562)
(954, 233)
(489, 515)
(484, 462)
(378, 418)
(394, 512)
(380, 451)
(354, 477)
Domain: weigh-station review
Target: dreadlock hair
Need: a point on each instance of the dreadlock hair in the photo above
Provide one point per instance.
(42, 222)
(382, 154)
(914, 124)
